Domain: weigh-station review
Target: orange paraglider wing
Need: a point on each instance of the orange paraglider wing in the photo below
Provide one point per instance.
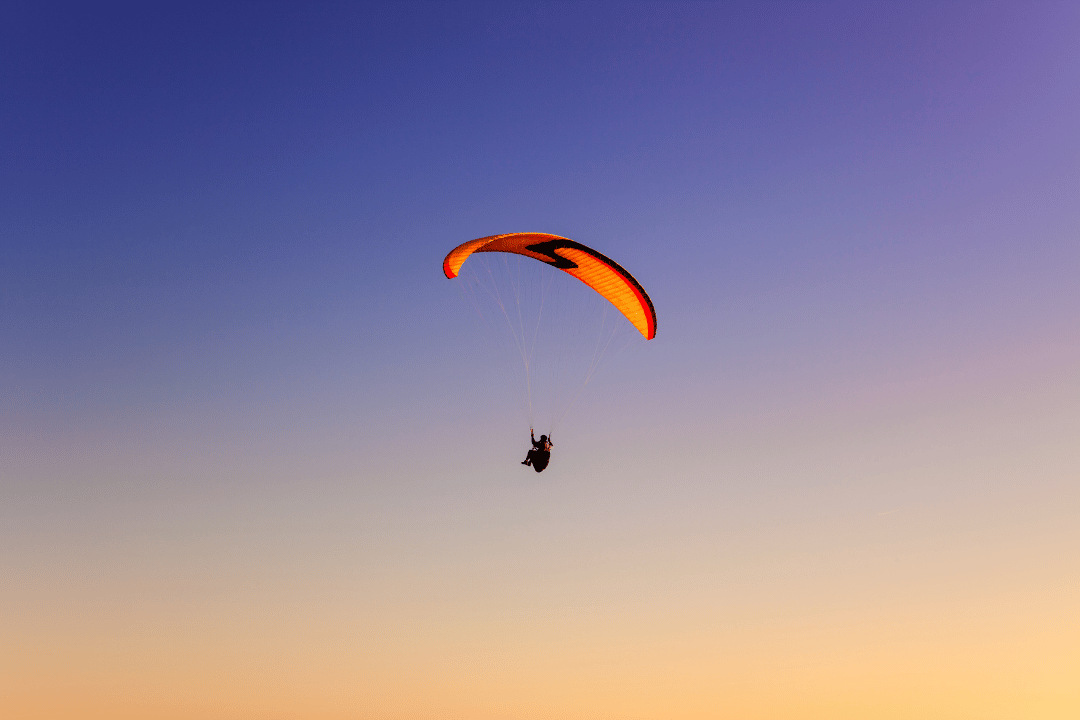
(599, 272)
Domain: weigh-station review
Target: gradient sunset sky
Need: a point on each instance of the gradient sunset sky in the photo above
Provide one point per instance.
(256, 462)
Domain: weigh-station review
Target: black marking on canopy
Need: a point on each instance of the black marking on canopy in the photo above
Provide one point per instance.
(548, 248)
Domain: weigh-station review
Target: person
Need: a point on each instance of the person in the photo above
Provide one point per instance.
(540, 453)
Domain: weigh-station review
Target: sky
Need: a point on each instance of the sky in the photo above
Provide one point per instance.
(257, 461)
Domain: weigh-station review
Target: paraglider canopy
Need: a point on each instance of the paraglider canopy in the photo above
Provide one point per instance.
(596, 270)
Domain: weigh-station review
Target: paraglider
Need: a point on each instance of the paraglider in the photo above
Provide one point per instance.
(540, 328)
(540, 454)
